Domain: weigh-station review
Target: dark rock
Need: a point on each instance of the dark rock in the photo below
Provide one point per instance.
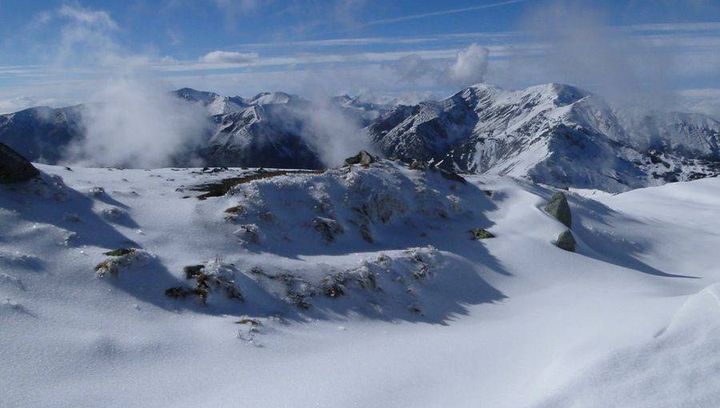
(120, 252)
(566, 241)
(481, 233)
(193, 271)
(13, 167)
(418, 165)
(449, 175)
(328, 228)
(177, 292)
(363, 158)
(559, 209)
(366, 234)
(249, 321)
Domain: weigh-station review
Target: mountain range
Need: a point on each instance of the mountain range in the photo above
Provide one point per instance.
(554, 134)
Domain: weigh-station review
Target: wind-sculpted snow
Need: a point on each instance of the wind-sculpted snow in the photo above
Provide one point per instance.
(382, 285)
(675, 368)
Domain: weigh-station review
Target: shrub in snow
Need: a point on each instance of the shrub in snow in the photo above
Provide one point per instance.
(559, 209)
(566, 241)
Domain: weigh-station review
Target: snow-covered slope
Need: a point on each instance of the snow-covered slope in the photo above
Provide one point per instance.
(352, 287)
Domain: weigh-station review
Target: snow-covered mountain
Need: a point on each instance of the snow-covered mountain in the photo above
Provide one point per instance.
(42, 134)
(215, 104)
(262, 135)
(555, 134)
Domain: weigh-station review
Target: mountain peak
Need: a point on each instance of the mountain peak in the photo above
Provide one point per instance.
(194, 95)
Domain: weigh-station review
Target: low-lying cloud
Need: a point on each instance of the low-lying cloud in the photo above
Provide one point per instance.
(133, 123)
(131, 120)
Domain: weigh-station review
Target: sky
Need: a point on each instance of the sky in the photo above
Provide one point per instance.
(639, 51)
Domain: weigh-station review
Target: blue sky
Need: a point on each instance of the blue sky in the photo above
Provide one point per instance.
(60, 50)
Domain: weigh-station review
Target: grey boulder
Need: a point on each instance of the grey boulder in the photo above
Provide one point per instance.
(566, 241)
(559, 209)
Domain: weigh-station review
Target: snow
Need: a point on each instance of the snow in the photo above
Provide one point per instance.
(629, 320)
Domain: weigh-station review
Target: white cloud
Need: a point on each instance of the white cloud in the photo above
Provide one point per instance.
(469, 67)
(86, 16)
(229, 57)
(444, 12)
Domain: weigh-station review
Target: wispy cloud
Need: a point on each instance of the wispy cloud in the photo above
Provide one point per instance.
(228, 57)
(442, 12)
(87, 16)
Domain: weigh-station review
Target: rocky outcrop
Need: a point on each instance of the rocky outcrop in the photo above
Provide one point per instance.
(566, 241)
(559, 209)
(363, 158)
(13, 167)
(481, 233)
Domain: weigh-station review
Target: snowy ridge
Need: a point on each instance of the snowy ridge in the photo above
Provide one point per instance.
(554, 134)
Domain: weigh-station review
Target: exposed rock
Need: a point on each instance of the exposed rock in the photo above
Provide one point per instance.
(120, 252)
(13, 167)
(221, 187)
(566, 241)
(178, 292)
(333, 286)
(559, 209)
(191, 271)
(363, 158)
(248, 233)
(233, 213)
(366, 234)
(481, 233)
(96, 192)
(206, 282)
(418, 165)
(328, 228)
(249, 321)
(119, 259)
(449, 175)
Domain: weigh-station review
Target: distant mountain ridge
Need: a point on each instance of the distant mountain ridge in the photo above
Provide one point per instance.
(554, 134)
